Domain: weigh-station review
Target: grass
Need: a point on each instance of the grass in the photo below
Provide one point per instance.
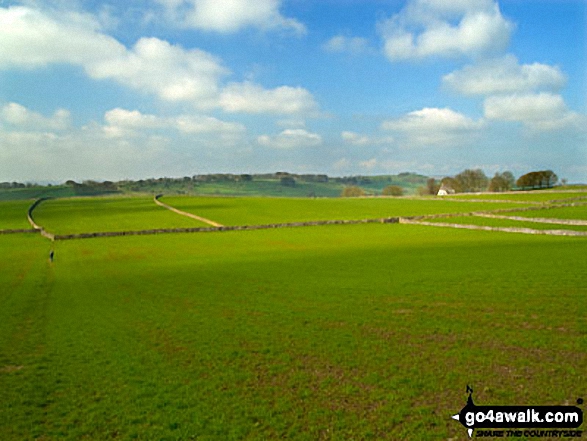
(252, 211)
(534, 196)
(490, 222)
(13, 214)
(578, 212)
(340, 332)
(82, 215)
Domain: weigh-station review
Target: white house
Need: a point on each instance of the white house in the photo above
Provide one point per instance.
(444, 191)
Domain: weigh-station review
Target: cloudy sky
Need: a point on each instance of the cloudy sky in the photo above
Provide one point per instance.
(94, 89)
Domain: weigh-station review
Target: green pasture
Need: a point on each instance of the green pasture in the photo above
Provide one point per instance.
(491, 222)
(578, 212)
(255, 211)
(83, 215)
(13, 215)
(334, 332)
(533, 196)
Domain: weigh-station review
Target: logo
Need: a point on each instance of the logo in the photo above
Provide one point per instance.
(484, 420)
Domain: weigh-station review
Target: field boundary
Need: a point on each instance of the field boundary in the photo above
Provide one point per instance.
(20, 230)
(185, 213)
(408, 220)
(390, 220)
(37, 227)
(541, 220)
(500, 229)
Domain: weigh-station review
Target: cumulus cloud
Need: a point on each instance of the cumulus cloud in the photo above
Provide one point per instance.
(249, 97)
(290, 139)
(20, 117)
(127, 144)
(30, 39)
(170, 72)
(540, 111)
(357, 139)
(124, 123)
(504, 75)
(433, 126)
(228, 16)
(445, 28)
(340, 43)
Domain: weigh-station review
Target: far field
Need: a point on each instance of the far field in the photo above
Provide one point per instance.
(253, 211)
(13, 214)
(82, 215)
(346, 332)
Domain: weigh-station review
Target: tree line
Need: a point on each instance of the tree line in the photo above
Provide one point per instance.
(475, 180)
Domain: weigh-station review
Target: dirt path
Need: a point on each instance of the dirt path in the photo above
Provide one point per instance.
(183, 213)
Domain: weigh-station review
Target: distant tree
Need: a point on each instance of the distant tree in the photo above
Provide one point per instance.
(538, 179)
(432, 186)
(246, 178)
(288, 181)
(70, 183)
(449, 182)
(564, 181)
(352, 191)
(510, 178)
(472, 180)
(392, 190)
(499, 183)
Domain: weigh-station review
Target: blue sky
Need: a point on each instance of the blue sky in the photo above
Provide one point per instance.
(148, 88)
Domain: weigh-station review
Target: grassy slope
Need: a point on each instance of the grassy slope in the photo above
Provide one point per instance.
(80, 215)
(13, 214)
(349, 332)
(489, 222)
(250, 211)
(579, 212)
(536, 196)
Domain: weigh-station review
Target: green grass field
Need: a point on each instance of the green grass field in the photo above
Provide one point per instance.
(491, 222)
(255, 211)
(534, 196)
(331, 332)
(13, 214)
(83, 215)
(578, 212)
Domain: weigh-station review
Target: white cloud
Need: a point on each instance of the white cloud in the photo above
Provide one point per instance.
(291, 139)
(127, 144)
(170, 72)
(340, 43)
(343, 165)
(228, 16)
(504, 75)
(541, 111)
(357, 139)
(19, 116)
(125, 123)
(433, 126)
(30, 39)
(445, 28)
(251, 98)
(369, 164)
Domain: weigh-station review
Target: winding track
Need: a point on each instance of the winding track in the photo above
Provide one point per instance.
(184, 213)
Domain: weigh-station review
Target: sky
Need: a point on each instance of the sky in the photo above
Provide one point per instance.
(116, 90)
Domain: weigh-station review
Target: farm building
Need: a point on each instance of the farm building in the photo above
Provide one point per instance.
(445, 190)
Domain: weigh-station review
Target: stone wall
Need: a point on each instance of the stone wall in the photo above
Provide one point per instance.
(390, 220)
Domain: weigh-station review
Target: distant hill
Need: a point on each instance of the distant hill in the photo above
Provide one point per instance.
(270, 184)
